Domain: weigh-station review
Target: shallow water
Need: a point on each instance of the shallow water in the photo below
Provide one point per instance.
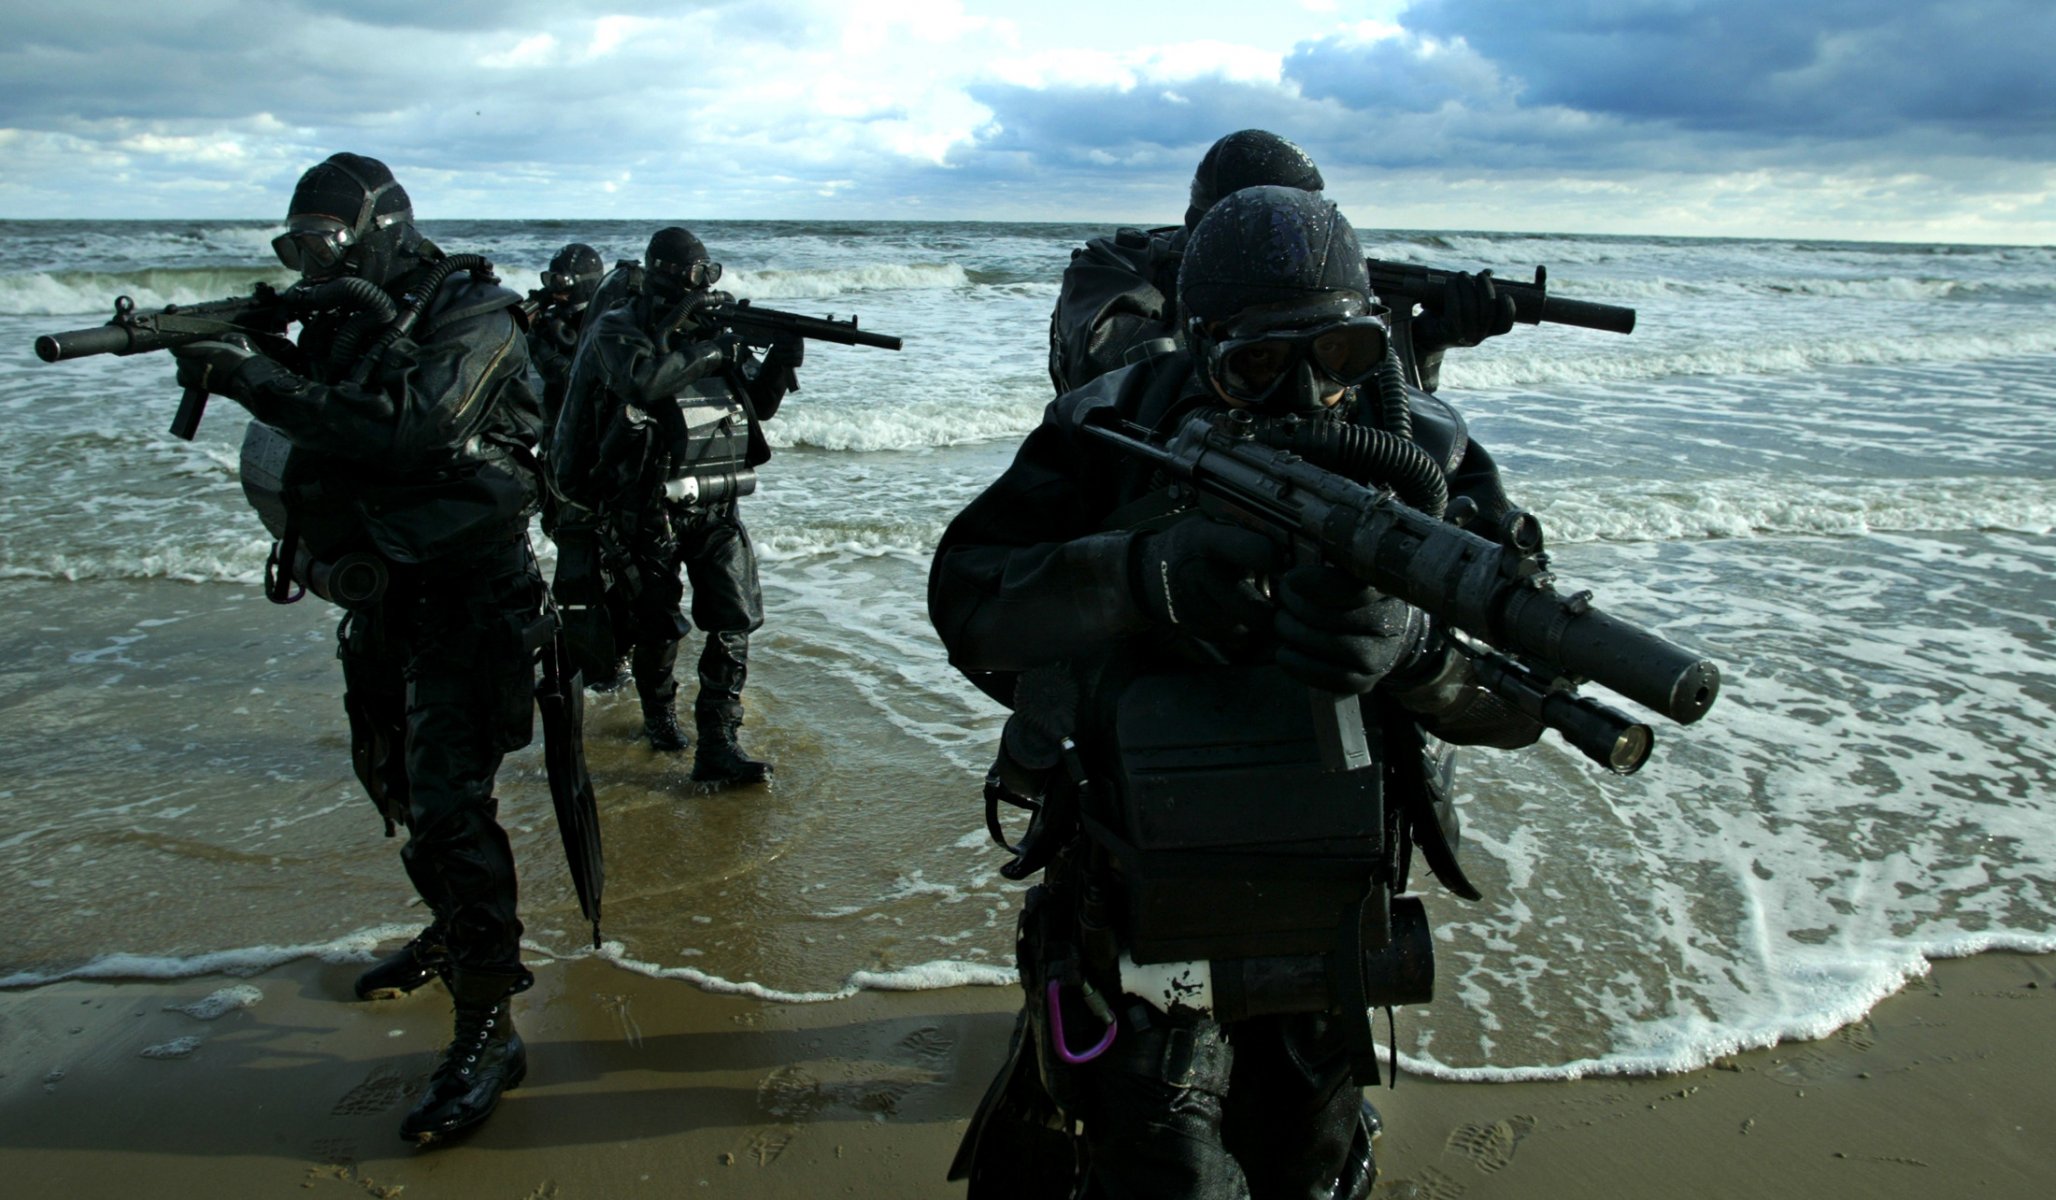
(1831, 467)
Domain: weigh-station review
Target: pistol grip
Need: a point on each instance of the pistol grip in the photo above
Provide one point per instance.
(191, 407)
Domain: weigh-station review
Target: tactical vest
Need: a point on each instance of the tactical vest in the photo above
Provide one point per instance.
(719, 456)
(329, 513)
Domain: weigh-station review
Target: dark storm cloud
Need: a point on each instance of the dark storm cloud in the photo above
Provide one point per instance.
(1692, 86)
(1858, 68)
(798, 107)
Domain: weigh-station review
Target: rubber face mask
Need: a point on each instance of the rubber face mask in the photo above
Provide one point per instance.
(1296, 357)
(314, 246)
(320, 239)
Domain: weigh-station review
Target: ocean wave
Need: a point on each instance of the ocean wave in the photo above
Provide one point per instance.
(242, 564)
(914, 425)
(849, 539)
(1509, 368)
(362, 947)
(1880, 287)
(1771, 507)
(63, 293)
(1812, 1000)
(1811, 1003)
(922, 977)
(772, 284)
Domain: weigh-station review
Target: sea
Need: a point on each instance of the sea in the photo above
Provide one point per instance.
(1829, 466)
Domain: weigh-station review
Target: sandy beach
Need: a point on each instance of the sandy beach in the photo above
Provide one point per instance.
(276, 1084)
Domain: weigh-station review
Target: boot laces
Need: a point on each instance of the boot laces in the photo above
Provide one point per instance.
(474, 1030)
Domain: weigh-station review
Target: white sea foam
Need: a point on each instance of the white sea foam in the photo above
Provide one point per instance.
(1782, 506)
(360, 946)
(1509, 366)
(792, 283)
(54, 293)
(242, 563)
(924, 977)
(218, 1004)
(906, 425)
(1811, 1002)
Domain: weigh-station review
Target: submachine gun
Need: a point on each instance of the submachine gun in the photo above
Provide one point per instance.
(376, 321)
(1403, 287)
(1497, 593)
(261, 316)
(761, 326)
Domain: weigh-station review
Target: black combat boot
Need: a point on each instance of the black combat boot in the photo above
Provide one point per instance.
(720, 762)
(408, 968)
(661, 727)
(615, 682)
(485, 1057)
(1360, 1169)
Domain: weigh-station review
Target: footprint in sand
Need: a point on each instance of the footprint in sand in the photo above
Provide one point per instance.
(790, 1093)
(380, 1092)
(631, 1029)
(1860, 1036)
(1490, 1147)
(1430, 1184)
(1803, 1066)
(928, 1047)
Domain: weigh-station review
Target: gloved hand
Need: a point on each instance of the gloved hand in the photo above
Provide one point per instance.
(1341, 635)
(228, 366)
(1472, 310)
(787, 350)
(1199, 576)
(672, 371)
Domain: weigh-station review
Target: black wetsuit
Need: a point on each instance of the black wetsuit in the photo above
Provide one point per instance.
(1030, 591)
(428, 467)
(619, 383)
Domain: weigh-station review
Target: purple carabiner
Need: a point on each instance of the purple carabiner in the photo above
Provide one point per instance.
(1056, 1030)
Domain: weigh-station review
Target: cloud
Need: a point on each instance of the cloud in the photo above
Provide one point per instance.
(1734, 116)
(1848, 68)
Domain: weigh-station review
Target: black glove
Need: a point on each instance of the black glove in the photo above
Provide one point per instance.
(670, 373)
(1472, 310)
(228, 366)
(788, 350)
(1341, 635)
(1199, 576)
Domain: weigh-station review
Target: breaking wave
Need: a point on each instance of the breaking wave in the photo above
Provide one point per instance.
(54, 293)
(1505, 367)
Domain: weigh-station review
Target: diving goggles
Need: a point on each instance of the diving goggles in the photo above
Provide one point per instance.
(1347, 351)
(562, 281)
(698, 274)
(314, 244)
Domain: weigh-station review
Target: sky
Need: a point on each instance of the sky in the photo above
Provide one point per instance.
(1892, 120)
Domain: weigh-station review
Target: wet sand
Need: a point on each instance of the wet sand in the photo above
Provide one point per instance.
(646, 1087)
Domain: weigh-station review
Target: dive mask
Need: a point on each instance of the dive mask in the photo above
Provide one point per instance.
(698, 274)
(317, 244)
(1250, 367)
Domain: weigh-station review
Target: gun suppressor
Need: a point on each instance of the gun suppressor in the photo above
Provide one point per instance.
(84, 343)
